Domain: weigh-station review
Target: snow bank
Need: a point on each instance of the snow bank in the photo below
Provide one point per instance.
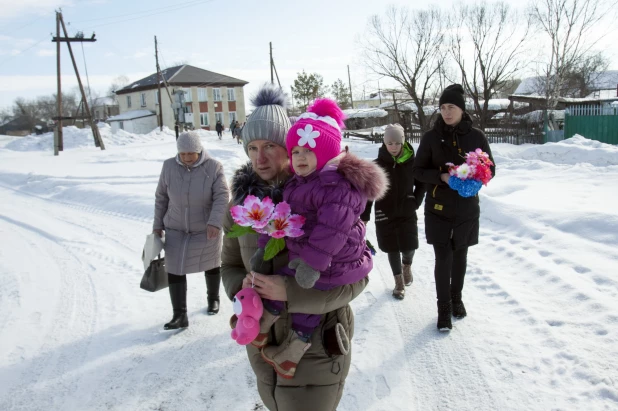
(574, 150)
(76, 138)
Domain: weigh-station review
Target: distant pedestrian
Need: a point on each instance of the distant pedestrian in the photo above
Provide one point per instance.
(233, 127)
(237, 132)
(219, 128)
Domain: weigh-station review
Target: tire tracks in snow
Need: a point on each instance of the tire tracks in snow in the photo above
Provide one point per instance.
(45, 380)
(426, 368)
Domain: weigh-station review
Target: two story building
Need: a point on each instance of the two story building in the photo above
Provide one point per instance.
(209, 97)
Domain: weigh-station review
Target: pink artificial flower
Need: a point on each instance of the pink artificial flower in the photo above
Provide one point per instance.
(253, 213)
(284, 224)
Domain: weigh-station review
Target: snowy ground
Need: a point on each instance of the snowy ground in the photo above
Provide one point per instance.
(77, 333)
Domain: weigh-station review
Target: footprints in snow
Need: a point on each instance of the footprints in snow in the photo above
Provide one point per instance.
(382, 389)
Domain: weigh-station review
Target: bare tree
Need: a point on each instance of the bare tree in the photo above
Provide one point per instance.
(5, 115)
(118, 83)
(46, 106)
(579, 81)
(568, 24)
(589, 72)
(496, 35)
(407, 46)
(27, 111)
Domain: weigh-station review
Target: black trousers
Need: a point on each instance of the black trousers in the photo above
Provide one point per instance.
(213, 286)
(449, 271)
(395, 260)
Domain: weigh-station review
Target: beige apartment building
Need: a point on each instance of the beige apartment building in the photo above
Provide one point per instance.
(209, 97)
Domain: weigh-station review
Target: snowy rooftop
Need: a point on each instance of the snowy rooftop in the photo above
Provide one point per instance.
(132, 115)
(563, 99)
(365, 113)
(537, 115)
(605, 81)
(184, 75)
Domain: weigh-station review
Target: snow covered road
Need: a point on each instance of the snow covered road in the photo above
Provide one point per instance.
(77, 333)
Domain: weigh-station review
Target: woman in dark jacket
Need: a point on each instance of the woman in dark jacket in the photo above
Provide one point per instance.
(451, 221)
(395, 214)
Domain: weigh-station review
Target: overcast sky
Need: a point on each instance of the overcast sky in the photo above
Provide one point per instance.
(228, 37)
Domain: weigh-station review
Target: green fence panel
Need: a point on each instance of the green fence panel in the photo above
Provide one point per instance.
(595, 124)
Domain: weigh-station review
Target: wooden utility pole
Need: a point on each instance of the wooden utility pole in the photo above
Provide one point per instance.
(292, 97)
(350, 85)
(98, 141)
(159, 85)
(379, 92)
(272, 78)
(58, 140)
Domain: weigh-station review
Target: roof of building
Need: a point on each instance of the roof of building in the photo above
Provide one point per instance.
(132, 115)
(184, 75)
(605, 81)
(365, 112)
(566, 100)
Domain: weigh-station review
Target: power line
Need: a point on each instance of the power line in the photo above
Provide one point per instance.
(151, 14)
(142, 12)
(87, 78)
(12, 31)
(23, 51)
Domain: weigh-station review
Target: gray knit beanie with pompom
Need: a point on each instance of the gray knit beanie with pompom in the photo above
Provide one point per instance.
(269, 121)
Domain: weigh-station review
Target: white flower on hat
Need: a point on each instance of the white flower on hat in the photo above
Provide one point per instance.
(307, 136)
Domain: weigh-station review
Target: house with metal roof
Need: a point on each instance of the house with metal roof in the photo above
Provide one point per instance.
(207, 97)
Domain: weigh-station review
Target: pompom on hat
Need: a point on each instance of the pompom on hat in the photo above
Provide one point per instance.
(269, 121)
(319, 129)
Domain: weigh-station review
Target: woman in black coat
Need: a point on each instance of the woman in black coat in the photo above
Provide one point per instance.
(451, 221)
(395, 214)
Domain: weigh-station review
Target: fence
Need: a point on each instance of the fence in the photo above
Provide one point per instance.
(506, 131)
(593, 122)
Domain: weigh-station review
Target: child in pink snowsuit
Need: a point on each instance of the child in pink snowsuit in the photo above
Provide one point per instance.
(330, 189)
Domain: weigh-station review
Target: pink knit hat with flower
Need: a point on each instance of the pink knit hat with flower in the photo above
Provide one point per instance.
(319, 129)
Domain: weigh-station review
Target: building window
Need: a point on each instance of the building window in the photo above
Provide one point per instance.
(231, 94)
(202, 95)
(219, 117)
(156, 97)
(204, 119)
(121, 125)
(143, 99)
(188, 95)
(129, 101)
(216, 92)
(232, 117)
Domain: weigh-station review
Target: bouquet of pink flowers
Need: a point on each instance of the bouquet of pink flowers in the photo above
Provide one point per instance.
(263, 217)
(469, 177)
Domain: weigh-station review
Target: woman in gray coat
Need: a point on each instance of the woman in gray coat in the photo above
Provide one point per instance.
(191, 201)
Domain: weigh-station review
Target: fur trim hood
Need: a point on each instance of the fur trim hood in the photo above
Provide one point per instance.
(246, 182)
(365, 175)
